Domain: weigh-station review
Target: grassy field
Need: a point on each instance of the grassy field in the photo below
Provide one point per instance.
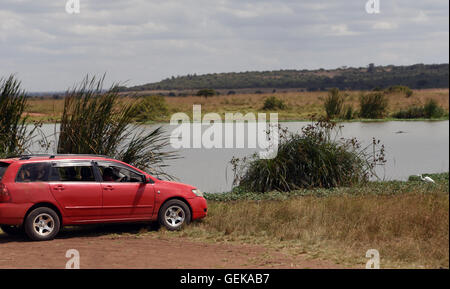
(407, 222)
(300, 105)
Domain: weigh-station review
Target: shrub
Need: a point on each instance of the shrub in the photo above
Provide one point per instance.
(400, 89)
(15, 138)
(431, 109)
(373, 105)
(310, 159)
(333, 103)
(94, 123)
(273, 103)
(206, 92)
(152, 107)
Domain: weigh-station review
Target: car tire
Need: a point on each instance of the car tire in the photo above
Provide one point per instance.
(174, 215)
(11, 230)
(42, 224)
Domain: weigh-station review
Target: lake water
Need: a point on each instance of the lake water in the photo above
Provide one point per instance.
(412, 147)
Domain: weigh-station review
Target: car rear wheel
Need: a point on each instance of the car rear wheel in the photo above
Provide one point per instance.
(174, 215)
(11, 230)
(42, 224)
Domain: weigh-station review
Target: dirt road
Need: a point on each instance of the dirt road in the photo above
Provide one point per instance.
(112, 247)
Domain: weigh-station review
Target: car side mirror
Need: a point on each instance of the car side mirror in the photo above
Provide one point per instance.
(146, 180)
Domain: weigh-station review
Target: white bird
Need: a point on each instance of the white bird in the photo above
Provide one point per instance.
(426, 179)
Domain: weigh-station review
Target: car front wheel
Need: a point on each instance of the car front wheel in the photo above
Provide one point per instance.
(174, 215)
(42, 224)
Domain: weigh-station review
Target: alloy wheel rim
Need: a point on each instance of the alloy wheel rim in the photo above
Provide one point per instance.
(174, 216)
(43, 224)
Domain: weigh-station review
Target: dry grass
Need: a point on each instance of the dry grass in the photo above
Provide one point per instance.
(46, 110)
(410, 229)
(300, 105)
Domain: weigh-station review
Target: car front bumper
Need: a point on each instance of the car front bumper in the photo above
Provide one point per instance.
(199, 207)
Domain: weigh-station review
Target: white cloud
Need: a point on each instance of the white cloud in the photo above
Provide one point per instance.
(421, 17)
(341, 30)
(382, 25)
(147, 40)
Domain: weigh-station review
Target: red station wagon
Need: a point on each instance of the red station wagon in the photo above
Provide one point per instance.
(40, 194)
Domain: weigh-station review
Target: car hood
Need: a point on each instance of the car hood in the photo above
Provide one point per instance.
(177, 185)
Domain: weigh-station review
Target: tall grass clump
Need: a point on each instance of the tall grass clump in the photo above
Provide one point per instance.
(152, 108)
(94, 121)
(334, 103)
(273, 103)
(348, 112)
(313, 158)
(373, 105)
(15, 135)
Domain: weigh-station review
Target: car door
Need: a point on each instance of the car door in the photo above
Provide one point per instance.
(125, 194)
(76, 189)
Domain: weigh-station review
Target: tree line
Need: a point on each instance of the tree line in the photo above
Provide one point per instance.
(416, 76)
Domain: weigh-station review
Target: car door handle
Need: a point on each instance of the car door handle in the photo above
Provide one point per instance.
(109, 188)
(59, 188)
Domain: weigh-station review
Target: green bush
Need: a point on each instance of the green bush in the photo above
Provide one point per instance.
(273, 103)
(431, 109)
(310, 159)
(152, 108)
(333, 103)
(372, 105)
(410, 112)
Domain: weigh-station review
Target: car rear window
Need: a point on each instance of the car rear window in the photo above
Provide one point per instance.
(3, 167)
(33, 172)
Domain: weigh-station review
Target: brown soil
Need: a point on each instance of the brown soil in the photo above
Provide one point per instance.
(106, 248)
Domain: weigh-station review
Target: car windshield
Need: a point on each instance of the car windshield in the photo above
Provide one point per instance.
(3, 167)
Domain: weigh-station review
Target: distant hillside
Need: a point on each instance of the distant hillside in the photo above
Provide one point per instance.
(364, 78)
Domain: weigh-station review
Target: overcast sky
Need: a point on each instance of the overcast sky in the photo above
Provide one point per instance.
(141, 41)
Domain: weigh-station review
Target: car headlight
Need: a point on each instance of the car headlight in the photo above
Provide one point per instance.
(197, 192)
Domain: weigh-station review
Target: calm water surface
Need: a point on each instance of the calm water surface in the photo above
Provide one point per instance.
(412, 147)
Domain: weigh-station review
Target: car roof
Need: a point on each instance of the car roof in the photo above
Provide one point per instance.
(46, 157)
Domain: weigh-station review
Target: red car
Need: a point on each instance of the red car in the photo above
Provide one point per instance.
(40, 194)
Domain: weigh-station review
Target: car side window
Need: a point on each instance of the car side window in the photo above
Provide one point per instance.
(33, 172)
(75, 173)
(111, 173)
